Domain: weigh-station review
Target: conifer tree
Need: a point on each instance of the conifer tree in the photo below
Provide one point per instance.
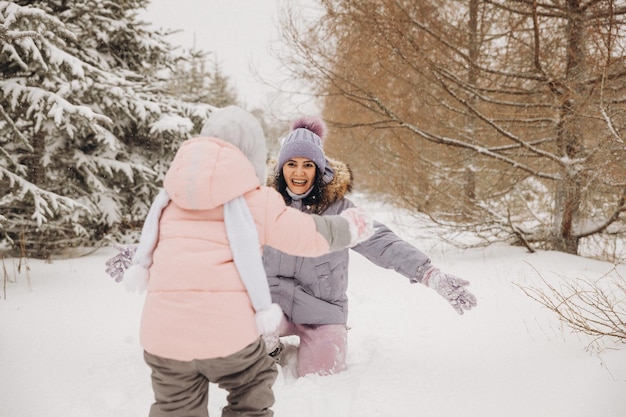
(191, 81)
(86, 124)
(221, 92)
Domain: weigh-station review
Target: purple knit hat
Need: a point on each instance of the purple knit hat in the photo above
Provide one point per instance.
(305, 141)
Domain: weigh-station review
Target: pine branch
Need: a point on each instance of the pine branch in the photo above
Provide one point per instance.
(45, 202)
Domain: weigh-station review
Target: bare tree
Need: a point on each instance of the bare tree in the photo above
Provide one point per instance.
(502, 116)
(595, 307)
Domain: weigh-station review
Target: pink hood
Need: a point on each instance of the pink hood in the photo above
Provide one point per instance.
(208, 172)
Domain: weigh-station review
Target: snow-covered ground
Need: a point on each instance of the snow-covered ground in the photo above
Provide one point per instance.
(69, 343)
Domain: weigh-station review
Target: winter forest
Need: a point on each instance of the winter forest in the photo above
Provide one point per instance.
(502, 121)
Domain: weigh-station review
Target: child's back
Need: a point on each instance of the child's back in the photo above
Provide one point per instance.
(197, 305)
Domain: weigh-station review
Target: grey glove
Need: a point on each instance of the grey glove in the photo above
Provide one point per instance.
(451, 288)
(118, 264)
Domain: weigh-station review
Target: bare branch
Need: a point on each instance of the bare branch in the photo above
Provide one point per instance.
(596, 308)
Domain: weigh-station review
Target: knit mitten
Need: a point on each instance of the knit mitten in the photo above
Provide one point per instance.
(361, 224)
(451, 288)
(118, 264)
(271, 341)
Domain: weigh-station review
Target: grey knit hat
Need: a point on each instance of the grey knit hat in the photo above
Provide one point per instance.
(240, 128)
(304, 141)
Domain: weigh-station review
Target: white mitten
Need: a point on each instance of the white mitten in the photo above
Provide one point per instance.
(361, 225)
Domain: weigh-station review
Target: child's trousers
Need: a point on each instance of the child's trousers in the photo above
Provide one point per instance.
(181, 389)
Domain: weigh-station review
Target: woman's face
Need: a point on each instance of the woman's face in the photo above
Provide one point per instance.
(299, 174)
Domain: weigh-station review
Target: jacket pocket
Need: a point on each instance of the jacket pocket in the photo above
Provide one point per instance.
(324, 283)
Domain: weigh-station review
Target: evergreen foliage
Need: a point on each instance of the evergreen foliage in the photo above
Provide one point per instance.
(193, 82)
(87, 123)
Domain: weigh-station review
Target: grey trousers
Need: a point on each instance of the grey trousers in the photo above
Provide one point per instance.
(181, 389)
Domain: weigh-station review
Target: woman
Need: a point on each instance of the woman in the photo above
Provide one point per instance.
(312, 291)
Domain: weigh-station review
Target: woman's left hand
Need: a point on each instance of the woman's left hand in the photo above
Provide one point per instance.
(450, 287)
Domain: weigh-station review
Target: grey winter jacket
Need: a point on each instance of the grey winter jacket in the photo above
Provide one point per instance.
(313, 290)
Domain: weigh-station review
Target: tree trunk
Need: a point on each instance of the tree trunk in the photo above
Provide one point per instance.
(473, 47)
(37, 174)
(569, 144)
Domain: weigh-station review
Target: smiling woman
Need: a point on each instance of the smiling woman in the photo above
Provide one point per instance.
(301, 154)
(299, 174)
(313, 291)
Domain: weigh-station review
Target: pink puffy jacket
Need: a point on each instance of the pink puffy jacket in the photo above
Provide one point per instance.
(197, 306)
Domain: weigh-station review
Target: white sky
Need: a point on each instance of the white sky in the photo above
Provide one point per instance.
(239, 32)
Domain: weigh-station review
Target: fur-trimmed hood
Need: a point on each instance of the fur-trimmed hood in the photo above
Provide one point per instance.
(339, 187)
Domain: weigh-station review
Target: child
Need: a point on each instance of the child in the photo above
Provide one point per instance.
(207, 299)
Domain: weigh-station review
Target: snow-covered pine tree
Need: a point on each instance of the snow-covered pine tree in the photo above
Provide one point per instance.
(191, 81)
(221, 91)
(86, 128)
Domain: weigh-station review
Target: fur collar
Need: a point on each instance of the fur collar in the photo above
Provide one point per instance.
(335, 190)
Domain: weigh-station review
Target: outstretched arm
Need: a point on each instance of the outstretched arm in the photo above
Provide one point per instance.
(388, 250)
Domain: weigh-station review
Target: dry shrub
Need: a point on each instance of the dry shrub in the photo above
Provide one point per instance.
(596, 308)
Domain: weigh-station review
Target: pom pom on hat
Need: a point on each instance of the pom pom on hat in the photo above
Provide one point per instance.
(312, 123)
(304, 141)
(136, 278)
(268, 320)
